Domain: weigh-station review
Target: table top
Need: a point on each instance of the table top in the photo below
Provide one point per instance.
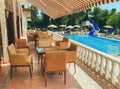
(40, 50)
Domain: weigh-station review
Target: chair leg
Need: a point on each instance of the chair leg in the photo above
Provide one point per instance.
(38, 58)
(45, 79)
(42, 63)
(30, 71)
(60, 73)
(74, 67)
(65, 77)
(11, 72)
(32, 64)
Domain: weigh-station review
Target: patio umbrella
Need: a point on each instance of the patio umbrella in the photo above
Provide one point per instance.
(52, 26)
(70, 26)
(77, 26)
(62, 26)
(86, 23)
(107, 26)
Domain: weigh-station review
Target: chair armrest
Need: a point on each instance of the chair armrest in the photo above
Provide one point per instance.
(57, 43)
(22, 51)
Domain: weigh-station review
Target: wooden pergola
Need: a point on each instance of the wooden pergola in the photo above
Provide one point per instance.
(59, 8)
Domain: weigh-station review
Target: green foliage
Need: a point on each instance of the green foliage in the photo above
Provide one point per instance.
(56, 21)
(34, 17)
(112, 11)
(103, 16)
(45, 21)
(64, 20)
(99, 16)
(114, 20)
(96, 14)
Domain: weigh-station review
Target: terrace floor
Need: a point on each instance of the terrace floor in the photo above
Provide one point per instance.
(21, 78)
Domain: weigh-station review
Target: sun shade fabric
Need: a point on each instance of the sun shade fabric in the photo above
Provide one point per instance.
(59, 8)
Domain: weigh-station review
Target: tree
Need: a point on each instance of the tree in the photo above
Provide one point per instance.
(56, 21)
(112, 11)
(99, 16)
(34, 17)
(114, 20)
(45, 20)
(64, 20)
(104, 15)
(96, 14)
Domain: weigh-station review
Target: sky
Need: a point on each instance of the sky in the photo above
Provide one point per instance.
(115, 5)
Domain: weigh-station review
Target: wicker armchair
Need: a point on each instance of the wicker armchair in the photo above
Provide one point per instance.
(71, 55)
(21, 43)
(55, 62)
(44, 43)
(57, 43)
(64, 45)
(30, 36)
(19, 58)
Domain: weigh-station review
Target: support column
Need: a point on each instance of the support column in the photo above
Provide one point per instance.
(4, 31)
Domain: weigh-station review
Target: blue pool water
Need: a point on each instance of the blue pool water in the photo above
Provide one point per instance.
(98, 43)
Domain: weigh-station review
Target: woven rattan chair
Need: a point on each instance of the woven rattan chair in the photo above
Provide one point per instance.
(71, 55)
(19, 58)
(55, 62)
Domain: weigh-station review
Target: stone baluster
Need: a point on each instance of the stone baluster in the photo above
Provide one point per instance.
(118, 84)
(89, 58)
(97, 68)
(86, 57)
(108, 69)
(102, 66)
(93, 60)
(115, 74)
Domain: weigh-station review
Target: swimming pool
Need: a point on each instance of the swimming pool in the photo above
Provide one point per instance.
(101, 44)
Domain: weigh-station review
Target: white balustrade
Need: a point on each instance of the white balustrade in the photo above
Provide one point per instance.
(105, 65)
